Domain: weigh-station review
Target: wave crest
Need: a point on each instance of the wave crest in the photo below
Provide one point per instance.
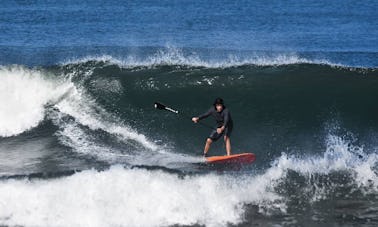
(177, 57)
(24, 93)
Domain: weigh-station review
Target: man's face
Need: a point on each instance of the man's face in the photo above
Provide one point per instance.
(219, 107)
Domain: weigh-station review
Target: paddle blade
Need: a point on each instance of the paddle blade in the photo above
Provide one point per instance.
(159, 106)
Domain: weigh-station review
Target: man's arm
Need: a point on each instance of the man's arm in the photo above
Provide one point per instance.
(202, 116)
(226, 118)
(225, 121)
(205, 115)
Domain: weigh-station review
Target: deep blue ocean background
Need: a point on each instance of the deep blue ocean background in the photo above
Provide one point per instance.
(47, 32)
(82, 145)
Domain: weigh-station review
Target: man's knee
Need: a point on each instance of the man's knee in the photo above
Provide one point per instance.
(226, 138)
(209, 141)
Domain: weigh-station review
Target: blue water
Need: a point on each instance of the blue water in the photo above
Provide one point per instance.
(47, 32)
(82, 145)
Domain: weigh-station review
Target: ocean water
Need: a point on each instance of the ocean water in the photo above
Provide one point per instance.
(82, 145)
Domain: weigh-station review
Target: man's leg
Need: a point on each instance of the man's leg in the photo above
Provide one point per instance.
(227, 141)
(207, 146)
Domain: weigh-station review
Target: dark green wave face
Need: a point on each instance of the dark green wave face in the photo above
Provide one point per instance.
(105, 115)
(288, 108)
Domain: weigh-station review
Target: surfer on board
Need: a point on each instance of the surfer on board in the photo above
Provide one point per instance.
(224, 125)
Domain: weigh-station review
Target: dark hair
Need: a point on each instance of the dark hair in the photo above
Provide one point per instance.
(218, 101)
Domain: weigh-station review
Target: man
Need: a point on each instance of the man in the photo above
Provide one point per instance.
(224, 125)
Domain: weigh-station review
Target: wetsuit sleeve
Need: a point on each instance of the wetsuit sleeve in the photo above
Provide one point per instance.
(226, 118)
(205, 115)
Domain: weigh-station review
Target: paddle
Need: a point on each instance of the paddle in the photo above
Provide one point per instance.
(163, 107)
(160, 106)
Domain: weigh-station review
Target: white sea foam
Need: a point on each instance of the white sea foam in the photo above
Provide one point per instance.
(23, 96)
(341, 156)
(86, 112)
(123, 197)
(136, 197)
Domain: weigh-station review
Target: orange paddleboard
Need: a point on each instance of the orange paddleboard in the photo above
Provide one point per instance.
(245, 158)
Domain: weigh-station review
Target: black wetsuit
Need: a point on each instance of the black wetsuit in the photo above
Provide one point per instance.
(222, 118)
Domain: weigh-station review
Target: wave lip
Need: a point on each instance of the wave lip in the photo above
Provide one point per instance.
(177, 57)
(28, 95)
(24, 94)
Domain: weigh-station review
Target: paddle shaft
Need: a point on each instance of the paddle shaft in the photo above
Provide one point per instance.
(164, 107)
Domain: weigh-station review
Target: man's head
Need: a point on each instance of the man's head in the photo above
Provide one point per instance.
(219, 104)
